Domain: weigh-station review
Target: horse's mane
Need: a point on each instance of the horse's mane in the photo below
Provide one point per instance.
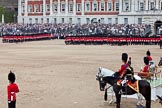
(109, 73)
(106, 72)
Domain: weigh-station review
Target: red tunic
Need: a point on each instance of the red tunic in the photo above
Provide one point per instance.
(145, 68)
(122, 69)
(12, 90)
(145, 71)
(150, 58)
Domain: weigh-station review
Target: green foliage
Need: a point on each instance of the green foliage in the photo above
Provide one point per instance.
(1, 12)
(8, 15)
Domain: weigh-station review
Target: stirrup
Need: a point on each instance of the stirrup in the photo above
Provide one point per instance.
(120, 92)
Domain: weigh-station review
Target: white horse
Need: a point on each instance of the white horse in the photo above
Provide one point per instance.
(107, 72)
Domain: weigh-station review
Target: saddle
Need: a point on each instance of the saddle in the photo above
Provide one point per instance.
(127, 75)
(134, 86)
(129, 81)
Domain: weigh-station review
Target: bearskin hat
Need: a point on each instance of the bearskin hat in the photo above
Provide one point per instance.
(124, 57)
(148, 53)
(11, 77)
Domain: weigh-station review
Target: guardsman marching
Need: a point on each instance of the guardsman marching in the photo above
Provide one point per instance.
(12, 89)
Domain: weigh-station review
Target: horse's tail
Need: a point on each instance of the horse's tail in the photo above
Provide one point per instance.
(145, 90)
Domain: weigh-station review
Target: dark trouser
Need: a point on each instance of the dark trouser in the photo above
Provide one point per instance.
(12, 104)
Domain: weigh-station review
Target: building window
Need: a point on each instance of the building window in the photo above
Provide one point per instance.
(36, 20)
(30, 20)
(102, 20)
(94, 20)
(78, 7)
(30, 8)
(70, 20)
(71, 7)
(117, 6)
(41, 20)
(55, 20)
(87, 20)
(62, 20)
(116, 20)
(152, 7)
(87, 6)
(125, 20)
(141, 6)
(47, 20)
(102, 5)
(126, 6)
(35, 8)
(109, 6)
(139, 20)
(41, 8)
(55, 6)
(109, 20)
(47, 7)
(79, 20)
(95, 6)
(63, 7)
(23, 8)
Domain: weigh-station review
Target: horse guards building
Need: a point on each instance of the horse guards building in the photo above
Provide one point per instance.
(91, 11)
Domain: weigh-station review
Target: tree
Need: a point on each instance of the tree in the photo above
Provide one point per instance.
(8, 15)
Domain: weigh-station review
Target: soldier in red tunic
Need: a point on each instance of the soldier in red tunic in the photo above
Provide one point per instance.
(124, 65)
(122, 71)
(146, 68)
(12, 89)
(149, 55)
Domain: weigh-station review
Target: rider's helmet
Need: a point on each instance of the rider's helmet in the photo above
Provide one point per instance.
(11, 77)
(124, 57)
(148, 53)
(146, 60)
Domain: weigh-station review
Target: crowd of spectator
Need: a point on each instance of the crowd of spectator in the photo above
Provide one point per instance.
(64, 29)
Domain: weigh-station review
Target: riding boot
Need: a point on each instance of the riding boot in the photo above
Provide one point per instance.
(120, 91)
(133, 80)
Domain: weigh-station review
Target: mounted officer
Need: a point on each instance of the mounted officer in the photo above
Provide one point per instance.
(122, 71)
